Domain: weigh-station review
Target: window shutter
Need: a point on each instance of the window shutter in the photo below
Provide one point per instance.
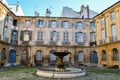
(85, 36)
(30, 35)
(21, 35)
(75, 36)
(57, 36)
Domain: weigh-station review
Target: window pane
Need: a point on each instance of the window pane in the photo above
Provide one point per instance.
(92, 25)
(65, 24)
(79, 37)
(38, 55)
(40, 23)
(80, 56)
(27, 23)
(65, 36)
(103, 34)
(112, 15)
(78, 25)
(102, 21)
(52, 24)
(114, 32)
(92, 36)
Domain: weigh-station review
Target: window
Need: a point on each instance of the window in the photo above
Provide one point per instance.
(15, 22)
(114, 32)
(52, 56)
(39, 55)
(65, 24)
(26, 36)
(24, 55)
(103, 36)
(6, 18)
(80, 56)
(79, 37)
(92, 36)
(112, 15)
(92, 25)
(3, 54)
(65, 36)
(66, 58)
(40, 36)
(4, 32)
(78, 25)
(27, 23)
(52, 24)
(39, 23)
(54, 36)
(115, 55)
(104, 55)
(102, 21)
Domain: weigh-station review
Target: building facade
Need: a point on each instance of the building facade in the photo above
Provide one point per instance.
(31, 40)
(108, 38)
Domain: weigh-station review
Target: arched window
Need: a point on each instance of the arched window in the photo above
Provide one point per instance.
(52, 56)
(66, 58)
(3, 54)
(115, 54)
(93, 57)
(24, 55)
(104, 55)
(38, 55)
(80, 56)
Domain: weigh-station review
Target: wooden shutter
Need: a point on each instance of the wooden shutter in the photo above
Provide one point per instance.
(21, 35)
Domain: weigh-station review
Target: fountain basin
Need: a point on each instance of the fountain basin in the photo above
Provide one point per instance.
(67, 73)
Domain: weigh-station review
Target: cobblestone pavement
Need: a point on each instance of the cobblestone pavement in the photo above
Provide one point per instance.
(30, 75)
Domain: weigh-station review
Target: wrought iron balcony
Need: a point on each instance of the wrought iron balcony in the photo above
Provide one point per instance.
(5, 39)
(25, 43)
(39, 42)
(52, 43)
(80, 43)
(66, 43)
(113, 38)
(102, 41)
(93, 43)
(14, 42)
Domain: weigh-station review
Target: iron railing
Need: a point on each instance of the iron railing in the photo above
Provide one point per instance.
(66, 43)
(14, 42)
(39, 42)
(102, 41)
(52, 43)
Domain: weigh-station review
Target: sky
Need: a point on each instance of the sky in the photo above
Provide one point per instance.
(56, 6)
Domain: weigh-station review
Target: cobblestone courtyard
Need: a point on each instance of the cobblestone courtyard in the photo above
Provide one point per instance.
(28, 73)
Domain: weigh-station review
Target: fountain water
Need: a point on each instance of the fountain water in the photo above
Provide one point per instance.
(60, 71)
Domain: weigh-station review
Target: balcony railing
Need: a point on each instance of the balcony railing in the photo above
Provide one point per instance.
(39, 42)
(25, 43)
(66, 43)
(114, 38)
(81, 43)
(102, 41)
(5, 39)
(93, 43)
(52, 43)
(14, 42)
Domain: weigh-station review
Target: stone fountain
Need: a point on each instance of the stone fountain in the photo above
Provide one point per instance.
(60, 71)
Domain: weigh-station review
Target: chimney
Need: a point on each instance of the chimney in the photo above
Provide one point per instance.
(36, 13)
(48, 13)
(88, 12)
(17, 6)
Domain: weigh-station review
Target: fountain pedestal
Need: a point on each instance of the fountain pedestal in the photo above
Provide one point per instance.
(60, 71)
(60, 55)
